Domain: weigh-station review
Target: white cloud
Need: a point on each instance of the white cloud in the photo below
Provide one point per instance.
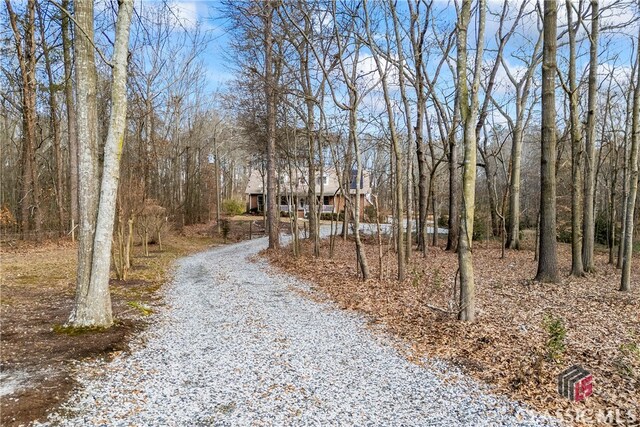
(620, 73)
(186, 14)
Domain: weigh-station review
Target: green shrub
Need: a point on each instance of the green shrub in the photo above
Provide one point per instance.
(556, 331)
(233, 207)
(331, 216)
(443, 221)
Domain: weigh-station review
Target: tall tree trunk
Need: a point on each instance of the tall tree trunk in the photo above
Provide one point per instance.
(353, 135)
(625, 173)
(409, 204)
(513, 235)
(417, 34)
(305, 76)
(522, 96)
(547, 258)
(612, 203)
(54, 126)
(588, 223)
(490, 171)
(71, 117)
(577, 152)
(87, 133)
(273, 220)
(218, 184)
(395, 143)
(95, 308)
(468, 115)
(410, 135)
(423, 175)
(625, 282)
(26, 52)
(454, 220)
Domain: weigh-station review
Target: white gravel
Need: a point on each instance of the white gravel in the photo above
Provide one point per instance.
(235, 346)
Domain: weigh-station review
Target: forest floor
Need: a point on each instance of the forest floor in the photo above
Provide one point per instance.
(509, 346)
(37, 353)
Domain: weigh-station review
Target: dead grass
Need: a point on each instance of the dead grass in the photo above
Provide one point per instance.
(508, 347)
(36, 297)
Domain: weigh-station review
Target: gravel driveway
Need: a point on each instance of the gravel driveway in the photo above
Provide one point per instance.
(236, 346)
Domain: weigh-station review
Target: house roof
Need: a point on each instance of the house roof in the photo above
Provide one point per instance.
(300, 187)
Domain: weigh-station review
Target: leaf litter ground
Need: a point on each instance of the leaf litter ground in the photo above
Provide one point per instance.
(508, 346)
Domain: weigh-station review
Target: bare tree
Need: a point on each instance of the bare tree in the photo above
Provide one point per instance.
(502, 38)
(625, 282)
(522, 88)
(93, 301)
(588, 222)
(468, 104)
(26, 51)
(71, 116)
(547, 258)
(273, 220)
(54, 123)
(383, 72)
(628, 135)
(87, 131)
(577, 150)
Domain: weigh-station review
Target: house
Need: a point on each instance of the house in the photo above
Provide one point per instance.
(294, 194)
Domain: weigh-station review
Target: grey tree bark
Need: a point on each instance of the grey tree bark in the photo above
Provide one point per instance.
(54, 126)
(395, 143)
(468, 104)
(625, 281)
(87, 132)
(577, 151)
(417, 34)
(588, 222)
(625, 168)
(502, 38)
(410, 134)
(93, 300)
(273, 220)
(547, 257)
(26, 52)
(310, 101)
(71, 117)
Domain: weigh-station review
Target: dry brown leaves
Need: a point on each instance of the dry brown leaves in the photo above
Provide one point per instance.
(506, 346)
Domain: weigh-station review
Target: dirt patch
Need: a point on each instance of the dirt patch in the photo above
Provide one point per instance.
(510, 345)
(38, 355)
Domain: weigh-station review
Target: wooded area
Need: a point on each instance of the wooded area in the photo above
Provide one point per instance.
(489, 118)
(464, 173)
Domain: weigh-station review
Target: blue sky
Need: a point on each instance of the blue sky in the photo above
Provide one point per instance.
(616, 56)
(206, 14)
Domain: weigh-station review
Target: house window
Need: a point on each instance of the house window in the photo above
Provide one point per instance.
(326, 200)
(322, 180)
(354, 175)
(260, 203)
